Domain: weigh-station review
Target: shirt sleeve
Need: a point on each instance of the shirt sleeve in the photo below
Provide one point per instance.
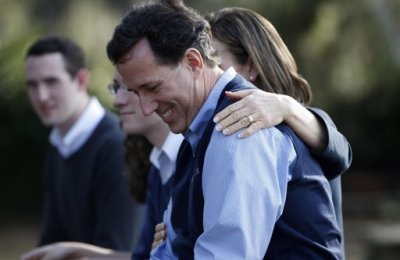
(336, 158)
(244, 187)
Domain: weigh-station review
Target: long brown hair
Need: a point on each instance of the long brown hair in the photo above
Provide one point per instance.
(248, 35)
(137, 153)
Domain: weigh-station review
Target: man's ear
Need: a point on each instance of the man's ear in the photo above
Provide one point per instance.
(82, 77)
(194, 60)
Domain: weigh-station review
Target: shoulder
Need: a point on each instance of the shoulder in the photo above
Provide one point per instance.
(109, 122)
(263, 159)
(153, 175)
(266, 142)
(105, 145)
(108, 131)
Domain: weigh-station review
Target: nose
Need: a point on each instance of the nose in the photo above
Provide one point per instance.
(120, 99)
(148, 104)
(42, 93)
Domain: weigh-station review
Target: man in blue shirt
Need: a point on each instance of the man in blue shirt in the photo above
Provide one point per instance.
(261, 196)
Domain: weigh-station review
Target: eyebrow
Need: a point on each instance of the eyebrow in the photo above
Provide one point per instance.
(30, 82)
(45, 79)
(150, 84)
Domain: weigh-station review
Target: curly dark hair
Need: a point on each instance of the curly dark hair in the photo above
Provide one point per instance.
(137, 153)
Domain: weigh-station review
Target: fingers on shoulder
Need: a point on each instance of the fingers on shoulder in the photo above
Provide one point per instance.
(251, 129)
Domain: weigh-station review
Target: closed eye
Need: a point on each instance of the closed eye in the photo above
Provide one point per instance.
(133, 91)
(155, 87)
(148, 87)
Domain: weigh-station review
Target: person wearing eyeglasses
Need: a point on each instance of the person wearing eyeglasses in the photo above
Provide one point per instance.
(86, 195)
(151, 151)
(128, 116)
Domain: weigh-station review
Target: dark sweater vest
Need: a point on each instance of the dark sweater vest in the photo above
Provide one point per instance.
(307, 228)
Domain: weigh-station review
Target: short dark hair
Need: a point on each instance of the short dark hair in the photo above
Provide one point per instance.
(169, 26)
(73, 55)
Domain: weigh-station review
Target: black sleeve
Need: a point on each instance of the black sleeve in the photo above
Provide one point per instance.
(115, 209)
(51, 229)
(336, 158)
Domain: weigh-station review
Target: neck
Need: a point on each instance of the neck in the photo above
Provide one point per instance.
(80, 107)
(204, 86)
(210, 78)
(158, 134)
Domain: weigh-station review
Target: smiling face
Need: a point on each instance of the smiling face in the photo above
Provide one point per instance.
(132, 118)
(170, 91)
(55, 96)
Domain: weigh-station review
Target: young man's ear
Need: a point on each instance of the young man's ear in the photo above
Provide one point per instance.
(194, 60)
(82, 77)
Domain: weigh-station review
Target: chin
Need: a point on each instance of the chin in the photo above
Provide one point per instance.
(126, 129)
(131, 130)
(176, 129)
(49, 122)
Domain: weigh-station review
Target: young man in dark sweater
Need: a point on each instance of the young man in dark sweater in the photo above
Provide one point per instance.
(86, 194)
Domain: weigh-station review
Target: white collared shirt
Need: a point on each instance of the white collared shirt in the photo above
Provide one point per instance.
(164, 159)
(80, 132)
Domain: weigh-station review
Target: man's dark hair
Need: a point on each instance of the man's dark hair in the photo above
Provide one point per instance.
(73, 55)
(169, 26)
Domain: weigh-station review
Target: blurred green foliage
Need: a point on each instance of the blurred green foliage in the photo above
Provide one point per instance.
(348, 50)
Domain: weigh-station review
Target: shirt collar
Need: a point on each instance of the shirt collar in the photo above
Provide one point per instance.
(80, 132)
(170, 150)
(171, 146)
(196, 128)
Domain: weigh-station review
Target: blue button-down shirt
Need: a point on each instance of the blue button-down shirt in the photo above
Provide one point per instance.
(244, 186)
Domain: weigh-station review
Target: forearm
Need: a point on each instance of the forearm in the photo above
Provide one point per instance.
(305, 124)
(337, 155)
(88, 251)
(111, 256)
(73, 250)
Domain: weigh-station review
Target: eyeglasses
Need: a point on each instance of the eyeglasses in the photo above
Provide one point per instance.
(114, 87)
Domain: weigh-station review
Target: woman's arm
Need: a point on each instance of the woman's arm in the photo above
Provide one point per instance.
(268, 110)
(313, 126)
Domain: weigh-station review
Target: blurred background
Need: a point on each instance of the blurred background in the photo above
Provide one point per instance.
(349, 51)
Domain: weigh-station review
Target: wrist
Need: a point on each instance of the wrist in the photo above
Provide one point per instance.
(289, 108)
